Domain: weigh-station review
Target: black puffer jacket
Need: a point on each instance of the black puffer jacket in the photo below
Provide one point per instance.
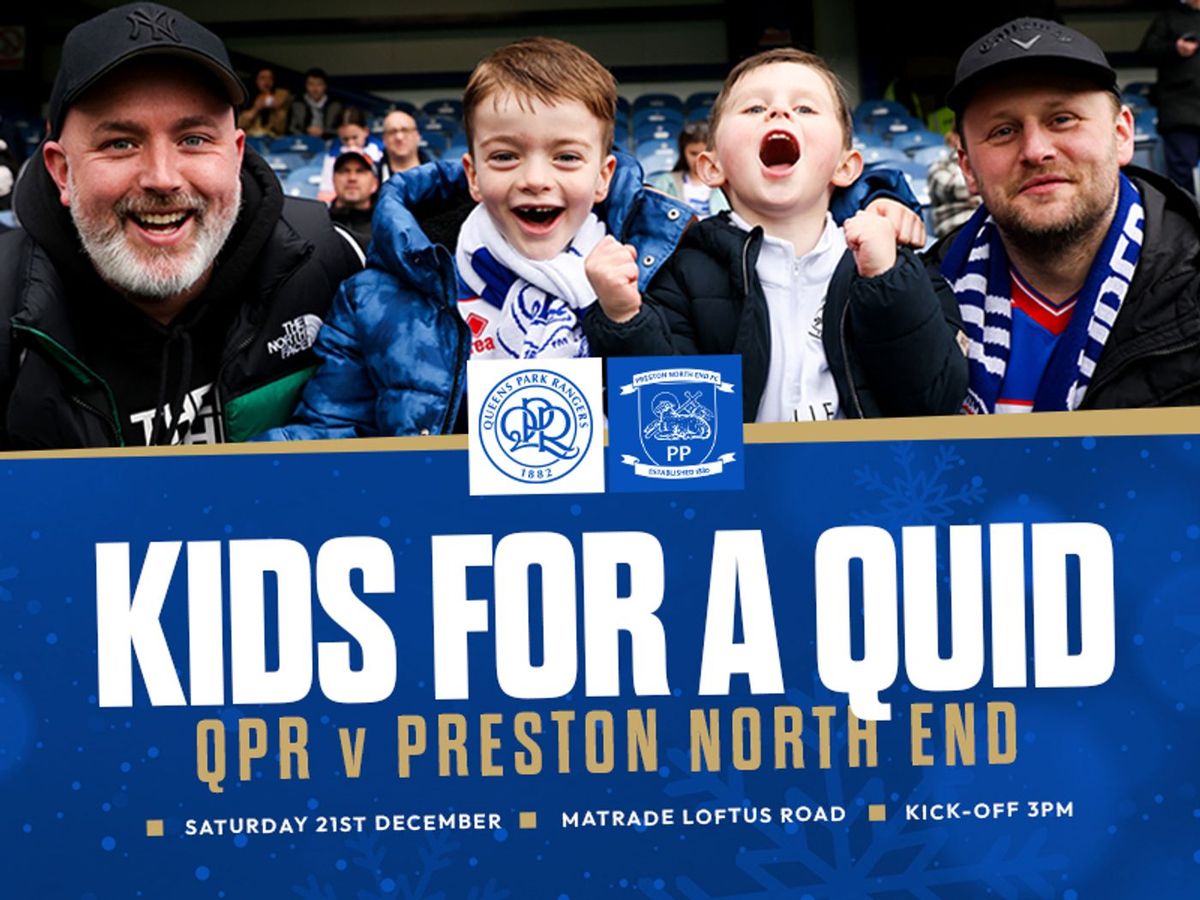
(1152, 356)
(253, 327)
(1177, 90)
(891, 341)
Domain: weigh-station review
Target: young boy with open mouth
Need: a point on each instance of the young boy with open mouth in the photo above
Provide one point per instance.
(830, 322)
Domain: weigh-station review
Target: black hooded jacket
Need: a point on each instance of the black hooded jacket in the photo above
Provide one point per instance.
(82, 367)
(891, 341)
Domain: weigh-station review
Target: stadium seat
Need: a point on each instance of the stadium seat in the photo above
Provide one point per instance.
(883, 154)
(875, 109)
(304, 182)
(304, 144)
(1143, 89)
(657, 156)
(929, 155)
(658, 101)
(652, 131)
(916, 139)
(698, 114)
(703, 99)
(434, 143)
(260, 145)
(669, 118)
(448, 108)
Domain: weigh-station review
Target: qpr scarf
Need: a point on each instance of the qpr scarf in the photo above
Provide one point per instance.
(538, 304)
(978, 270)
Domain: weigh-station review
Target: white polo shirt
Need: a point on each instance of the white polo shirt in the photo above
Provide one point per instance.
(800, 386)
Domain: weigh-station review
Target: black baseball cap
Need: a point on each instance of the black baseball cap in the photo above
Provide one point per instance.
(1028, 45)
(96, 47)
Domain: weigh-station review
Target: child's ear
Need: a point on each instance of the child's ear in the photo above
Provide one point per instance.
(472, 177)
(605, 178)
(848, 169)
(708, 167)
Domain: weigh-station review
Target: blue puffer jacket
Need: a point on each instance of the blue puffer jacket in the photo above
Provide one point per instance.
(394, 348)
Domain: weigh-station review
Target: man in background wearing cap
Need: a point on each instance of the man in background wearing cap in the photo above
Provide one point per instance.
(162, 289)
(355, 184)
(1078, 284)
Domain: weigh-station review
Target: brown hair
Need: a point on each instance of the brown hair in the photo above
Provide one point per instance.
(549, 70)
(784, 55)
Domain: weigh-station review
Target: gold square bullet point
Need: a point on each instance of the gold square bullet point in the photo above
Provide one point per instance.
(154, 828)
(876, 812)
(527, 820)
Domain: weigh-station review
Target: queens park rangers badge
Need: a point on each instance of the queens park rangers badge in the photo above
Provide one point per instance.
(675, 423)
(535, 426)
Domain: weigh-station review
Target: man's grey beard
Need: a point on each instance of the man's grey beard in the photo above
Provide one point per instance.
(154, 273)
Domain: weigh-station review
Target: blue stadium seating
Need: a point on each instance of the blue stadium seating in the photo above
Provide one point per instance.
(304, 182)
(651, 131)
(434, 143)
(448, 108)
(657, 156)
(305, 144)
(665, 117)
(883, 154)
(929, 155)
(698, 114)
(916, 139)
(659, 102)
(701, 99)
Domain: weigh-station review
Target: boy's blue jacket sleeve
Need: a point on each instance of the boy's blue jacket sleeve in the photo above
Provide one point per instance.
(876, 182)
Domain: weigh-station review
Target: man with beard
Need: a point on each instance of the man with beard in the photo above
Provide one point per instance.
(1077, 281)
(161, 290)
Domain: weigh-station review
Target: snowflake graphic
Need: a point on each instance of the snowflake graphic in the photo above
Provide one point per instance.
(436, 856)
(919, 496)
(899, 858)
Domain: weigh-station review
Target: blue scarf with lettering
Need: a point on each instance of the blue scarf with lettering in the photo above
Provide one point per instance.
(978, 270)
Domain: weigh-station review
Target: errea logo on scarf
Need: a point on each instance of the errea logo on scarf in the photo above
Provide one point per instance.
(298, 335)
(535, 426)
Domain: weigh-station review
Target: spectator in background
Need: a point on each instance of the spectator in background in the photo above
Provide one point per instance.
(401, 143)
(683, 181)
(352, 134)
(267, 114)
(355, 186)
(949, 197)
(314, 112)
(1171, 44)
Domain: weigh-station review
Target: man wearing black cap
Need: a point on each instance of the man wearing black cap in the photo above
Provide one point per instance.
(1077, 283)
(355, 186)
(162, 290)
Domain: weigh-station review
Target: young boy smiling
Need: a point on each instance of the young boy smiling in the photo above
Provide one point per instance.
(830, 322)
(486, 258)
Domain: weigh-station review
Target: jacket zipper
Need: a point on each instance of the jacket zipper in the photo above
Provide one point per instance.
(108, 426)
(846, 360)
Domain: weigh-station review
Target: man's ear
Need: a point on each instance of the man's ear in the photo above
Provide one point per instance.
(708, 167)
(605, 179)
(54, 157)
(848, 169)
(964, 163)
(1125, 131)
(472, 177)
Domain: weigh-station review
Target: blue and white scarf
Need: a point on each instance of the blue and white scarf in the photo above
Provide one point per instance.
(978, 270)
(538, 303)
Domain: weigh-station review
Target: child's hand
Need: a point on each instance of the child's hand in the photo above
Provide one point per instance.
(612, 269)
(909, 227)
(872, 239)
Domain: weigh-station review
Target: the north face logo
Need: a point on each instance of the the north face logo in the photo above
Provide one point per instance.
(298, 335)
(159, 25)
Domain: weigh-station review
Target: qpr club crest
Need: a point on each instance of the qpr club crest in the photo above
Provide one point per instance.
(533, 426)
(675, 423)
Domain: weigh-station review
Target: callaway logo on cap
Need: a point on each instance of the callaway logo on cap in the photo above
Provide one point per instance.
(1028, 44)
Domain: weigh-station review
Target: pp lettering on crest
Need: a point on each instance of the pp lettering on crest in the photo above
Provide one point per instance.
(675, 423)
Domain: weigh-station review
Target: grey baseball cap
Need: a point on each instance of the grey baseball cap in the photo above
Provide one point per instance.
(1028, 45)
(96, 47)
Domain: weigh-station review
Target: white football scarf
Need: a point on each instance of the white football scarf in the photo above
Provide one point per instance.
(540, 302)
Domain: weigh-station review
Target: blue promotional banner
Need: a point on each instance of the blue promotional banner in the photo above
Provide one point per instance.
(931, 668)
